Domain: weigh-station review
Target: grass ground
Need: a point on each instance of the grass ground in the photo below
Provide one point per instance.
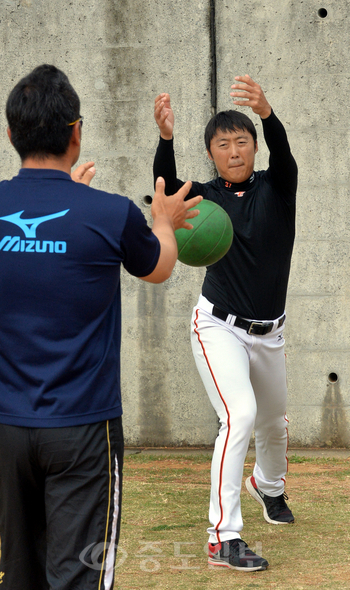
(164, 520)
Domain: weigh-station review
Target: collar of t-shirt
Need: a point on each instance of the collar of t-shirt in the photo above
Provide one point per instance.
(236, 187)
(43, 173)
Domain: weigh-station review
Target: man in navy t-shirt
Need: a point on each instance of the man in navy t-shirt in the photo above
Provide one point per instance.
(61, 247)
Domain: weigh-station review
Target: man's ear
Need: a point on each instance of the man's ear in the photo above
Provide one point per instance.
(9, 135)
(76, 134)
(256, 147)
(210, 156)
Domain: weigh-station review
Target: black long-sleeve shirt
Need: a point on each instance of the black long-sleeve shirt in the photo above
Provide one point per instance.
(251, 279)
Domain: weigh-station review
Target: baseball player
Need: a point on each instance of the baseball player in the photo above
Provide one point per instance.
(238, 322)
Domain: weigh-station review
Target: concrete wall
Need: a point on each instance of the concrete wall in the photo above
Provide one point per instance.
(119, 55)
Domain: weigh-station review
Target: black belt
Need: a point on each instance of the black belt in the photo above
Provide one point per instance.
(258, 328)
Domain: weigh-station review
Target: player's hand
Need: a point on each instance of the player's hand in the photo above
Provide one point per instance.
(249, 93)
(174, 206)
(164, 116)
(84, 173)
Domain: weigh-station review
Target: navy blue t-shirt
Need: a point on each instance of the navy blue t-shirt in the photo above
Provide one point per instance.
(61, 246)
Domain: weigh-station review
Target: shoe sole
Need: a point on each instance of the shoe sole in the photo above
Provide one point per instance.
(220, 563)
(256, 497)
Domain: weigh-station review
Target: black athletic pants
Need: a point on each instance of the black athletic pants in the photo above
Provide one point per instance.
(60, 498)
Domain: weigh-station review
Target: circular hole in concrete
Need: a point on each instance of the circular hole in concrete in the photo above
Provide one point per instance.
(332, 377)
(147, 200)
(322, 13)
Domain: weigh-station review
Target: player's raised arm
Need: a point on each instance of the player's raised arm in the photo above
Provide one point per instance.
(164, 160)
(282, 170)
(169, 213)
(164, 116)
(248, 93)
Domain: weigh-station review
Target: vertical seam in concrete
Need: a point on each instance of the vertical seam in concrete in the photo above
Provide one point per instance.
(213, 76)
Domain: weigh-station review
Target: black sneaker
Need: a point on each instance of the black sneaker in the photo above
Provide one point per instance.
(276, 510)
(236, 555)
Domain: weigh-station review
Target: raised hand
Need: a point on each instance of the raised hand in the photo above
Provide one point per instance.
(164, 116)
(84, 173)
(174, 206)
(249, 93)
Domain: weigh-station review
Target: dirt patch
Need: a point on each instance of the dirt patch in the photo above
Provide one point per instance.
(312, 468)
(168, 464)
(293, 468)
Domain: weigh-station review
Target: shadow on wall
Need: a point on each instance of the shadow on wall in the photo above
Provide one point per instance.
(335, 428)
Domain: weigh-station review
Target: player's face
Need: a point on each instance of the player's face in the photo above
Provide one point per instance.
(233, 153)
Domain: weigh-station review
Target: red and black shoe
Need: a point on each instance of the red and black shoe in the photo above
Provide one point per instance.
(235, 554)
(275, 509)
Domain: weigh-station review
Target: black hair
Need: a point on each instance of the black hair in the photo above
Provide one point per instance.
(39, 110)
(228, 121)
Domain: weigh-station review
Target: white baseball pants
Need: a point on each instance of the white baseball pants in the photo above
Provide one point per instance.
(245, 378)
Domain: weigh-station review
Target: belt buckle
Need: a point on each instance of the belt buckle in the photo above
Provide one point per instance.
(255, 324)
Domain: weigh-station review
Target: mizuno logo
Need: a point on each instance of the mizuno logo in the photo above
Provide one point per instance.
(15, 244)
(28, 226)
